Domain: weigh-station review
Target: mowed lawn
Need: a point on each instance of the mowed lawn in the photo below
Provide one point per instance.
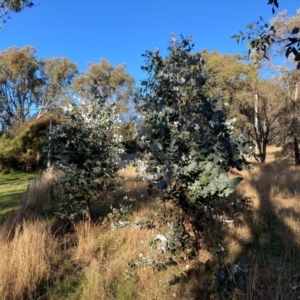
(12, 188)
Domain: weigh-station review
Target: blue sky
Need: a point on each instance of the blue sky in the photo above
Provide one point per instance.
(121, 30)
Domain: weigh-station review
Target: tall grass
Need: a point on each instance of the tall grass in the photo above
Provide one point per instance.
(107, 275)
(25, 261)
(95, 262)
(42, 197)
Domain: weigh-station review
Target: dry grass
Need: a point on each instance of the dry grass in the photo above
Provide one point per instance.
(105, 254)
(42, 194)
(270, 239)
(275, 188)
(25, 260)
(95, 258)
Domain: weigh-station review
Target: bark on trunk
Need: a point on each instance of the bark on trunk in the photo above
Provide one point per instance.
(257, 146)
(263, 152)
(296, 141)
(296, 150)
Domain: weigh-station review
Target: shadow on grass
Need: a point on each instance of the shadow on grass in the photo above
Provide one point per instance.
(279, 211)
(266, 242)
(272, 242)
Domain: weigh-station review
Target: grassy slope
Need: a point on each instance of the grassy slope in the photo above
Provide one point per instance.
(12, 188)
(91, 263)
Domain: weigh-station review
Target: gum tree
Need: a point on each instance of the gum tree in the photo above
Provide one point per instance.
(29, 86)
(190, 143)
(12, 6)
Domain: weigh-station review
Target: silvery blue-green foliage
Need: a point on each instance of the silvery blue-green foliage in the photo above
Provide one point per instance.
(191, 145)
(88, 153)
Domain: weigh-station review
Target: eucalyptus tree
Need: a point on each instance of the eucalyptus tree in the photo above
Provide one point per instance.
(12, 6)
(290, 82)
(271, 108)
(29, 86)
(235, 82)
(289, 74)
(57, 75)
(116, 86)
(19, 85)
(113, 83)
(263, 37)
(281, 37)
(190, 142)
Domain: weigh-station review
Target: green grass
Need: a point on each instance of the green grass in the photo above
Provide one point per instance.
(12, 188)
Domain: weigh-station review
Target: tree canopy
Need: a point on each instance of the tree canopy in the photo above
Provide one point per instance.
(19, 85)
(263, 37)
(29, 86)
(113, 83)
(12, 6)
(190, 141)
(57, 75)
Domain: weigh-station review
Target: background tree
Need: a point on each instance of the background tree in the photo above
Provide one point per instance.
(278, 38)
(28, 86)
(112, 83)
(57, 75)
(24, 151)
(249, 99)
(235, 82)
(290, 81)
(116, 86)
(19, 85)
(266, 125)
(283, 25)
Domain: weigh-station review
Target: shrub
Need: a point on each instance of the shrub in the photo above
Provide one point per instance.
(87, 152)
(24, 149)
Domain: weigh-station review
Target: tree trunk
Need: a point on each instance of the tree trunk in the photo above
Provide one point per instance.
(296, 150)
(263, 154)
(296, 140)
(257, 148)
